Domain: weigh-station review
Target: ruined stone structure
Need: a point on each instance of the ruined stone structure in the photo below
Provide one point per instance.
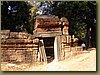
(50, 41)
(18, 47)
(55, 29)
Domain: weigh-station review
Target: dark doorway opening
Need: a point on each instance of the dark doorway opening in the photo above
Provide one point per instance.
(49, 48)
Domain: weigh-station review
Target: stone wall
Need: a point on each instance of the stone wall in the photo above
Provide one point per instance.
(23, 47)
(18, 47)
(67, 50)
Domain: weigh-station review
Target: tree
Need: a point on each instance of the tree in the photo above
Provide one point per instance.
(15, 16)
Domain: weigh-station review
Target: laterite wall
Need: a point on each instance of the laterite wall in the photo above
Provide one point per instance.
(18, 47)
(67, 50)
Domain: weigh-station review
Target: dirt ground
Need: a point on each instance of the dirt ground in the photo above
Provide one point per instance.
(82, 62)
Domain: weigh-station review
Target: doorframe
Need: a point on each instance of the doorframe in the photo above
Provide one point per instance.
(57, 48)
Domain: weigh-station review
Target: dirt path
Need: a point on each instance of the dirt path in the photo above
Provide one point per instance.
(82, 62)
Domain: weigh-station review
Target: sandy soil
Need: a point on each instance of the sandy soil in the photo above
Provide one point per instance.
(82, 62)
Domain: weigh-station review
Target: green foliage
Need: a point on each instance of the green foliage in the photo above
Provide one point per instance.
(17, 18)
(81, 16)
(32, 15)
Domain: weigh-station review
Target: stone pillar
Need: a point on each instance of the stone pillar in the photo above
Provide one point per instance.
(65, 30)
(57, 48)
(65, 25)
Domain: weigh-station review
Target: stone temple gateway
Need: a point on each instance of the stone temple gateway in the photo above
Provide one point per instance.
(51, 32)
(50, 41)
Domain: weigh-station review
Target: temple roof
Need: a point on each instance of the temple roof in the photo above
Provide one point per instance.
(49, 21)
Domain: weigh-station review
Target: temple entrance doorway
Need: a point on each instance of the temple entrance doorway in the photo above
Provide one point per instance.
(49, 48)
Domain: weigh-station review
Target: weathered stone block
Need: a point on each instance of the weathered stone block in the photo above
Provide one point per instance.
(67, 55)
(5, 34)
(14, 35)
